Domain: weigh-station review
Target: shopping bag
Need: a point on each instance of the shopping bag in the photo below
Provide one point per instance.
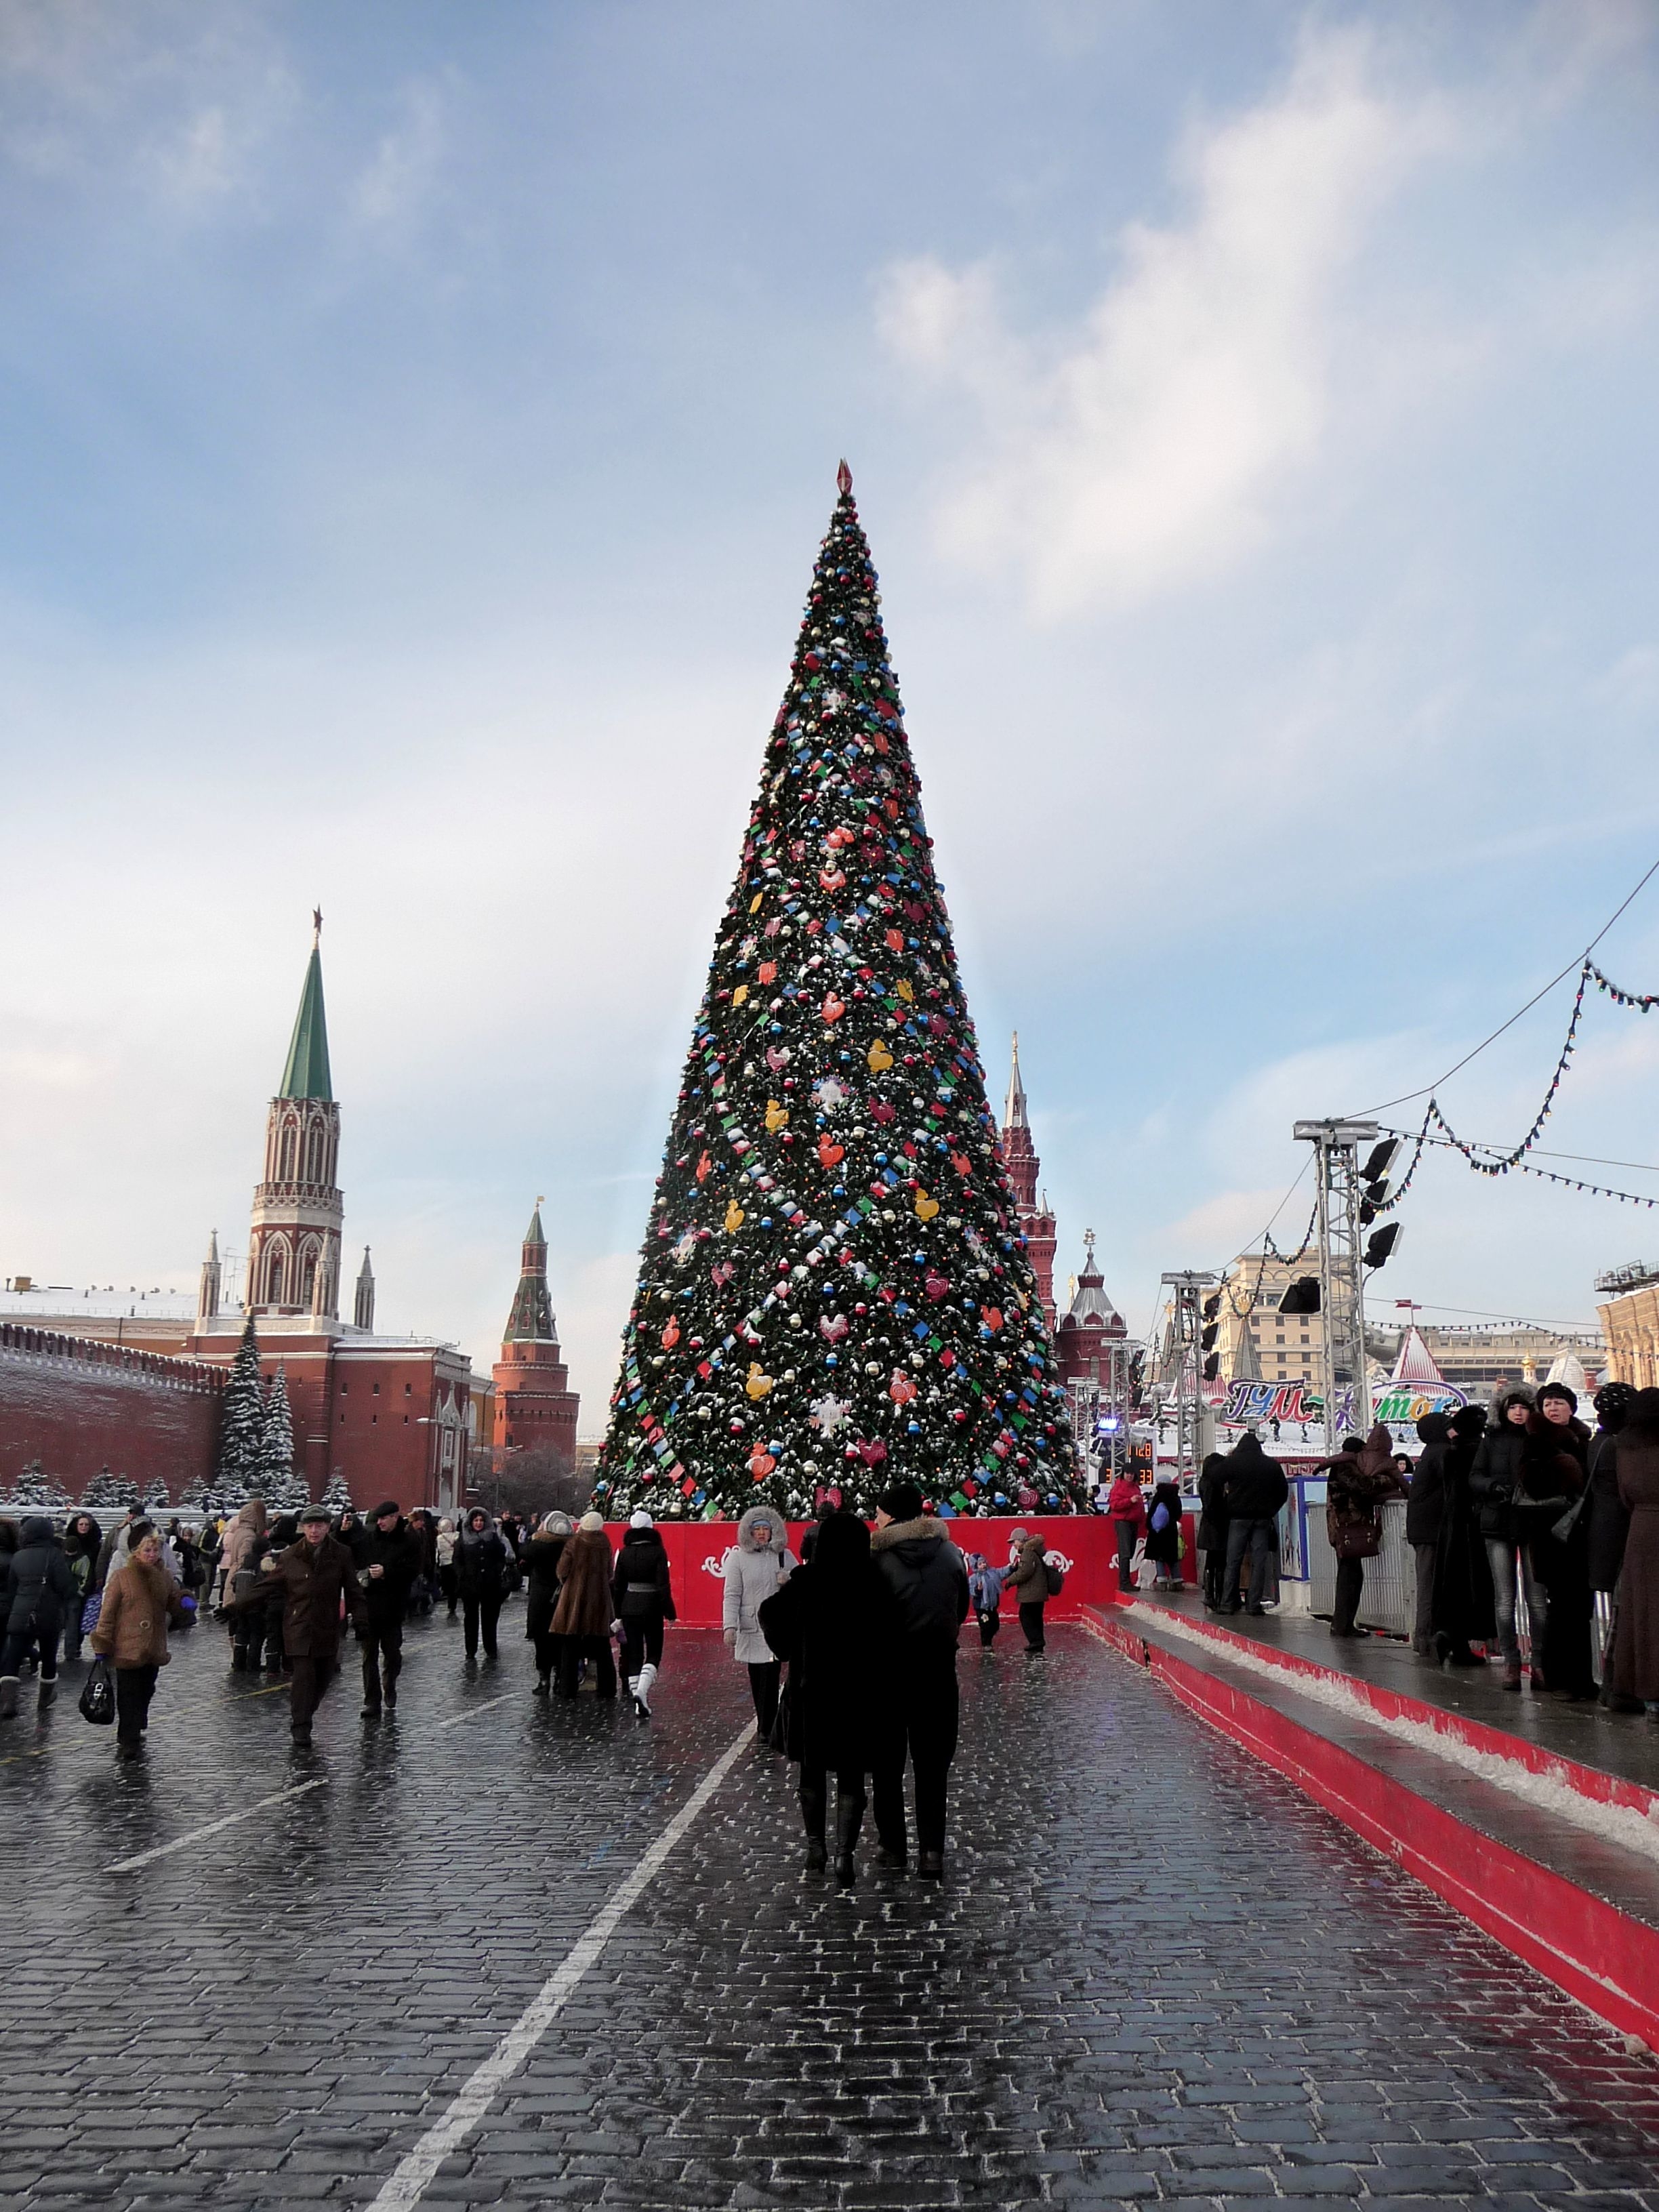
(98, 1698)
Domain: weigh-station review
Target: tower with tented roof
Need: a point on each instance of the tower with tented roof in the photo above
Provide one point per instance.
(294, 1248)
(535, 1409)
(1023, 1167)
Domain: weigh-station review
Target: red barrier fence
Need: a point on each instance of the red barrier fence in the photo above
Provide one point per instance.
(1085, 1544)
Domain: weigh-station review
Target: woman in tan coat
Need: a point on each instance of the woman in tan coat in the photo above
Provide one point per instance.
(582, 1615)
(140, 1598)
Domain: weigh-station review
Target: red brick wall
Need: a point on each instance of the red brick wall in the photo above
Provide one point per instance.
(79, 1406)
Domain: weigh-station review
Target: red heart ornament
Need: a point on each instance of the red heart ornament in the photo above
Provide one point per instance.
(991, 1317)
(830, 1151)
(834, 1008)
(936, 1287)
(872, 1453)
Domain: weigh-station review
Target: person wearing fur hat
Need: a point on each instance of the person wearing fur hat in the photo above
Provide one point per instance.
(542, 1555)
(1562, 1553)
(925, 1572)
(1521, 1486)
(1636, 1640)
(643, 1597)
(582, 1618)
(481, 1562)
(387, 1552)
(755, 1566)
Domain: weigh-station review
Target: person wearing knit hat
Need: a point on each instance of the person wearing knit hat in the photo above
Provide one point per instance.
(642, 1597)
(1609, 1527)
(592, 1522)
(387, 1551)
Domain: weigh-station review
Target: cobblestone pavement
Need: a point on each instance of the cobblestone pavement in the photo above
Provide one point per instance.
(1156, 1972)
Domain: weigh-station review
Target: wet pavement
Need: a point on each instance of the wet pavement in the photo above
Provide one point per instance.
(1155, 1971)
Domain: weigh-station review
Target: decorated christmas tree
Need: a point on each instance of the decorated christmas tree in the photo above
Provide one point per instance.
(240, 1466)
(834, 1293)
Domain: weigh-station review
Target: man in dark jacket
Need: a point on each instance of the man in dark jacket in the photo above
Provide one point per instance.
(925, 1572)
(387, 1553)
(1463, 1610)
(36, 1591)
(1255, 1490)
(311, 1578)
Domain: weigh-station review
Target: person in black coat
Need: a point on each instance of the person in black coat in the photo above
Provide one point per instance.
(835, 1621)
(643, 1596)
(1212, 1526)
(387, 1552)
(481, 1564)
(929, 1581)
(83, 1541)
(1609, 1524)
(1463, 1612)
(1520, 1484)
(1255, 1490)
(542, 1555)
(36, 1591)
(1563, 1560)
(1426, 1516)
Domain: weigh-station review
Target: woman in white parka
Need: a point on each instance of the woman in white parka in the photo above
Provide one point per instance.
(757, 1563)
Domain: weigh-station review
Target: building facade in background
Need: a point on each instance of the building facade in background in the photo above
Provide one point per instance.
(1629, 1322)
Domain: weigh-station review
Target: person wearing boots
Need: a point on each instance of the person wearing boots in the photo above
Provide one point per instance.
(83, 1541)
(1562, 1552)
(582, 1618)
(756, 1564)
(140, 1599)
(834, 1620)
(36, 1591)
(1212, 1527)
(387, 1551)
(481, 1564)
(1358, 1480)
(1255, 1491)
(925, 1574)
(643, 1598)
(542, 1555)
(1519, 1492)
(310, 1580)
(1027, 1583)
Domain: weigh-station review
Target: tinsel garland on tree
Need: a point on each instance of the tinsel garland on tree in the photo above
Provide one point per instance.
(834, 1292)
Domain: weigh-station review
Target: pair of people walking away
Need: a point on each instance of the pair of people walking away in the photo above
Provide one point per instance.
(835, 1621)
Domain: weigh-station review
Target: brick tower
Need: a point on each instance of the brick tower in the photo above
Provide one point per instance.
(534, 1408)
(294, 1250)
(1020, 1161)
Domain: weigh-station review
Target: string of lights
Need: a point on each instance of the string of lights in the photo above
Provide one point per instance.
(1481, 1158)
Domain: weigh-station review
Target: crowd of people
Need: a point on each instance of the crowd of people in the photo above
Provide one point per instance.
(849, 1651)
(1516, 1511)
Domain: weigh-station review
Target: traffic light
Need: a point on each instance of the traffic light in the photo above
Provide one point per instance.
(1302, 1298)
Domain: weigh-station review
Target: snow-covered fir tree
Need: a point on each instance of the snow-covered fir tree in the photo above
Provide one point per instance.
(240, 1468)
(109, 1493)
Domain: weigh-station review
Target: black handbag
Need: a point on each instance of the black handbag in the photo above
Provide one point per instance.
(98, 1696)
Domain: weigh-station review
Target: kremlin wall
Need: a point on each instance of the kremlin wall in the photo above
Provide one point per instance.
(137, 1392)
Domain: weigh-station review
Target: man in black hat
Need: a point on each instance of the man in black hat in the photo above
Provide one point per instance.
(387, 1551)
(929, 1580)
(312, 1578)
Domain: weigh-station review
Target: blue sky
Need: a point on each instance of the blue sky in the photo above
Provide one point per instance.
(419, 423)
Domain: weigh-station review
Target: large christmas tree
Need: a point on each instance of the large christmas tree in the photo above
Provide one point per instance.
(834, 1292)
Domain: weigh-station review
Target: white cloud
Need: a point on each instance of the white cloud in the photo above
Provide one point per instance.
(397, 182)
(1152, 448)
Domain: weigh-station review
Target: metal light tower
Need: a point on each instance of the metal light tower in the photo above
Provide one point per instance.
(1184, 1351)
(1341, 1269)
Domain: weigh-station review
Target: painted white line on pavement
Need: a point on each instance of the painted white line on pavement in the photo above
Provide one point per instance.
(455, 1719)
(418, 2167)
(178, 1843)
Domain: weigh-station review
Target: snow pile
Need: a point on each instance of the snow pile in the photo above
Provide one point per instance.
(1613, 1824)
